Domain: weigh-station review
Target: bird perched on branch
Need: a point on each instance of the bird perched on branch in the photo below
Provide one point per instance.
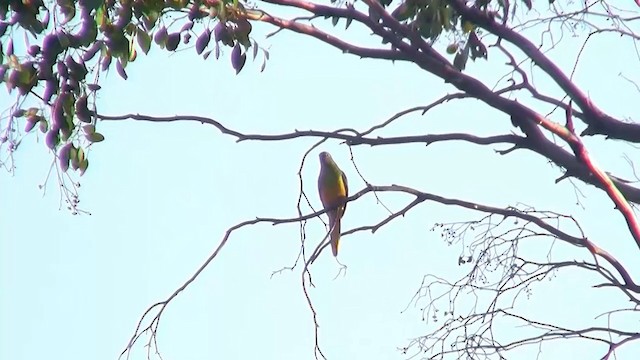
(333, 189)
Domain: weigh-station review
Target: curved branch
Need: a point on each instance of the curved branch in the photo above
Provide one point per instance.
(540, 144)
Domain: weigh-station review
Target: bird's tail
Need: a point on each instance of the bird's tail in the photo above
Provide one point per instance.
(335, 235)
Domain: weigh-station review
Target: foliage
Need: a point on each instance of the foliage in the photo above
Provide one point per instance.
(70, 45)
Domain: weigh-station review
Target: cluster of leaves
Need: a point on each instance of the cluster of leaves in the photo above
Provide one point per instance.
(69, 44)
(432, 18)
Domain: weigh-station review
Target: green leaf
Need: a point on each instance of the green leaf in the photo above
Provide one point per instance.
(80, 155)
(144, 40)
(460, 61)
(101, 16)
(403, 12)
(73, 157)
(84, 164)
(44, 126)
(468, 26)
(95, 137)
(89, 129)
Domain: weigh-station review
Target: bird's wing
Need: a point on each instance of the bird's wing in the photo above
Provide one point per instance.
(346, 189)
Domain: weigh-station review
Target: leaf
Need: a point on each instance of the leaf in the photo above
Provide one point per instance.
(82, 109)
(460, 61)
(144, 40)
(30, 124)
(220, 32)
(44, 126)
(203, 41)
(349, 20)
(80, 155)
(242, 31)
(92, 51)
(173, 40)
(255, 50)
(120, 70)
(50, 88)
(63, 38)
(237, 58)
(84, 164)
(68, 9)
(73, 157)
(133, 55)
(64, 156)
(10, 47)
(160, 36)
(403, 12)
(101, 16)
(468, 26)
(95, 137)
(52, 139)
(106, 62)
(94, 87)
(89, 129)
(187, 26)
(445, 15)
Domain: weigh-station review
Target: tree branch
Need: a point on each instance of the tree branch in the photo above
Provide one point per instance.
(538, 144)
(597, 121)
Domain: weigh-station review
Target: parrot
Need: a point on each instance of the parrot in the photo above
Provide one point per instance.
(333, 189)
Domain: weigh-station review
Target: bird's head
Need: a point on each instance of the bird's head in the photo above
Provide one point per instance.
(325, 157)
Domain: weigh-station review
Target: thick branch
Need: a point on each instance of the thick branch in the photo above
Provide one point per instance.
(598, 122)
(521, 116)
(346, 47)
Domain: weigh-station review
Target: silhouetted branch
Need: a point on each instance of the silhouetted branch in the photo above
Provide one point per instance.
(538, 143)
(419, 197)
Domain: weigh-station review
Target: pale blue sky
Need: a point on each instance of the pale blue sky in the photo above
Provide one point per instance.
(162, 196)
